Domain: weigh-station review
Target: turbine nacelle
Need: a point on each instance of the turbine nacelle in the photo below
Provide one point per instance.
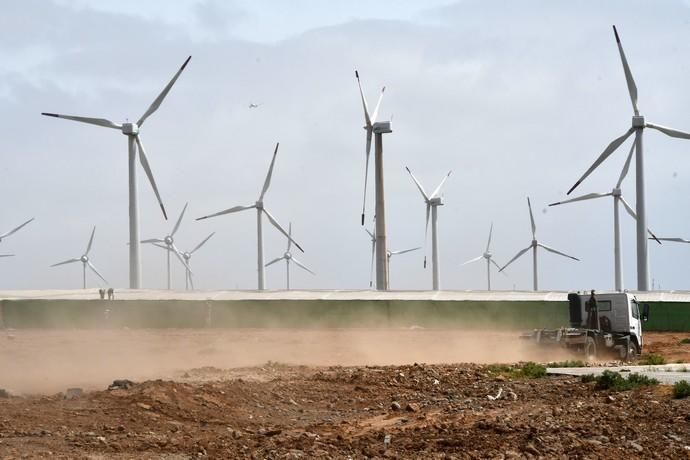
(259, 205)
(487, 255)
(168, 240)
(436, 201)
(638, 121)
(535, 243)
(130, 129)
(616, 192)
(186, 256)
(382, 127)
(287, 255)
(84, 259)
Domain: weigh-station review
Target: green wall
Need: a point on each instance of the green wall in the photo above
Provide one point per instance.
(309, 314)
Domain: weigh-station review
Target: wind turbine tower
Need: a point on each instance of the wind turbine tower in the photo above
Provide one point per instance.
(377, 129)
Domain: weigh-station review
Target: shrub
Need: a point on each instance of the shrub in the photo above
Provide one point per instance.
(587, 378)
(532, 370)
(685, 341)
(652, 359)
(615, 382)
(681, 389)
(569, 363)
(529, 369)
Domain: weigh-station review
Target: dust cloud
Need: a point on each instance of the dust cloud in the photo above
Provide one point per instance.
(49, 361)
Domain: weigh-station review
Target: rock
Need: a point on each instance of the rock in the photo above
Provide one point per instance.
(500, 378)
(395, 405)
(386, 441)
(530, 449)
(412, 407)
(101, 439)
(675, 437)
(122, 384)
(635, 446)
(72, 393)
(143, 406)
(610, 399)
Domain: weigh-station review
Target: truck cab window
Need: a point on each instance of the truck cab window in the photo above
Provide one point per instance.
(635, 311)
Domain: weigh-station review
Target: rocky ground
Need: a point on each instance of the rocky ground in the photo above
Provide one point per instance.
(403, 411)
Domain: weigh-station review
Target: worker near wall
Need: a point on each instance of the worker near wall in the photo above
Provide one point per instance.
(592, 312)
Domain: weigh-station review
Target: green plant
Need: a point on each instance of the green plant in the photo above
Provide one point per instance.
(529, 369)
(685, 341)
(652, 360)
(587, 378)
(615, 382)
(681, 389)
(569, 363)
(532, 370)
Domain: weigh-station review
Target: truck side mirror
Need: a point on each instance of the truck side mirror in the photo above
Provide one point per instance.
(645, 311)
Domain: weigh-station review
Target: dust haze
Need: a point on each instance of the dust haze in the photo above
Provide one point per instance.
(41, 361)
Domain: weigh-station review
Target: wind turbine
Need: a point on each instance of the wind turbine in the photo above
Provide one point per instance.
(638, 126)
(169, 243)
(533, 247)
(432, 201)
(379, 129)
(389, 254)
(260, 210)
(617, 199)
(132, 131)
(11, 232)
(288, 257)
(85, 261)
(489, 260)
(187, 255)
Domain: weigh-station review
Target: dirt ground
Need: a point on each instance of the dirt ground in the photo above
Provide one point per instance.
(310, 394)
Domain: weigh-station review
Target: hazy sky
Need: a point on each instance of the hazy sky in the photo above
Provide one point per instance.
(517, 98)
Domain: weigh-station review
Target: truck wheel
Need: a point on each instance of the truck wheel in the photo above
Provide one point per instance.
(590, 348)
(632, 351)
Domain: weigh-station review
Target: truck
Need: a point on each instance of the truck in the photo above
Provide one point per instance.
(601, 325)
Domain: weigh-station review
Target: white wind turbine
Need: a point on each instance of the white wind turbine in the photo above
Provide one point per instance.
(432, 202)
(533, 246)
(489, 259)
(169, 242)
(132, 131)
(617, 199)
(638, 126)
(85, 261)
(288, 258)
(11, 232)
(379, 129)
(389, 254)
(260, 210)
(187, 255)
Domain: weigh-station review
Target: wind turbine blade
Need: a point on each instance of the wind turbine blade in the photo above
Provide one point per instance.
(16, 229)
(68, 261)
(6, 255)
(370, 234)
(274, 261)
(632, 89)
(366, 173)
(202, 243)
(178, 254)
(300, 265)
(157, 102)
(267, 182)
(515, 258)
(488, 243)
(281, 229)
(93, 269)
(147, 169)
(675, 240)
(419, 186)
(88, 247)
(367, 120)
(438, 189)
(179, 220)
(589, 196)
(92, 121)
(404, 251)
(290, 236)
(626, 166)
(556, 252)
(152, 240)
(162, 246)
(378, 104)
(604, 155)
(531, 218)
(229, 211)
(474, 260)
(669, 131)
(495, 264)
(634, 216)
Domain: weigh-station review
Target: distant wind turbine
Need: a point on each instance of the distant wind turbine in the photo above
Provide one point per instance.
(85, 261)
(12, 232)
(638, 126)
(489, 259)
(132, 131)
(187, 255)
(288, 258)
(535, 244)
(169, 243)
(617, 199)
(389, 254)
(432, 202)
(260, 210)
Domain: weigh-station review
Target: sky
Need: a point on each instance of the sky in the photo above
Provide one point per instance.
(516, 98)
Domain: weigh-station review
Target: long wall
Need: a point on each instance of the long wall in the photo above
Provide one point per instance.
(476, 314)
